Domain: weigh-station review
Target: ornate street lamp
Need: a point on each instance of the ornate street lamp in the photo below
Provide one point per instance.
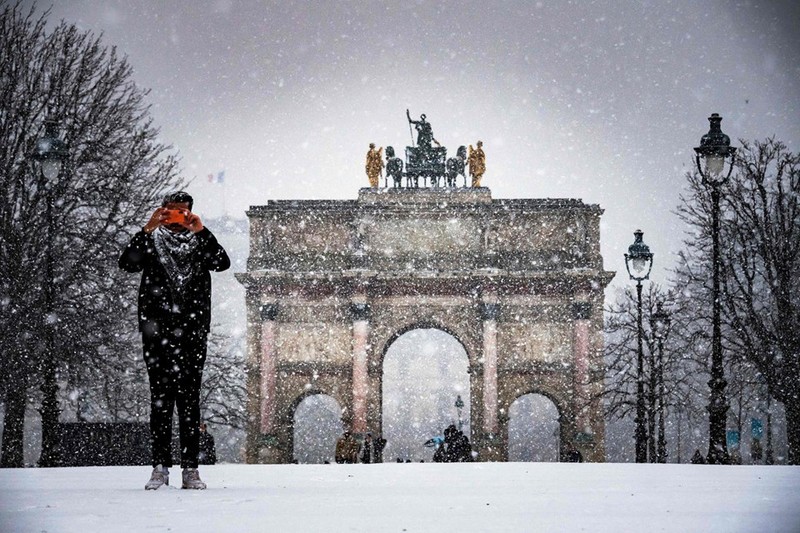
(659, 323)
(714, 148)
(639, 262)
(459, 406)
(50, 153)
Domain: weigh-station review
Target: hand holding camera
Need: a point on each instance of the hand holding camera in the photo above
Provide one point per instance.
(175, 219)
(174, 216)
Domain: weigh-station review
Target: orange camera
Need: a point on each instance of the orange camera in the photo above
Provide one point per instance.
(175, 216)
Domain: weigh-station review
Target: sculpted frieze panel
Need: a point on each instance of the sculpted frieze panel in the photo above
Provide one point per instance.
(307, 342)
(304, 235)
(520, 343)
(419, 236)
(538, 232)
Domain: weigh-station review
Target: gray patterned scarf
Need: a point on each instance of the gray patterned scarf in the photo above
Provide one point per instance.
(174, 252)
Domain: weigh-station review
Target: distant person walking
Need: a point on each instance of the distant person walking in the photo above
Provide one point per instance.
(439, 456)
(346, 449)
(367, 449)
(175, 253)
(458, 447)
(380, 444)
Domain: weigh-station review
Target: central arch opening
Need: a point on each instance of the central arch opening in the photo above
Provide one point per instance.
(533, 429)
(425, 372)
(317, 424)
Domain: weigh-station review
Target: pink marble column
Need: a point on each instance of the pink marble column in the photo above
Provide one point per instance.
(489, 312)
(360, 314)
(580, 354)
(267, 369)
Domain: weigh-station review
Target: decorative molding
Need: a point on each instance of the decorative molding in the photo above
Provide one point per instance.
(581, 310)
(360, 311)
(489, 311)
(269, 312)
(535, 368)
(310, 368)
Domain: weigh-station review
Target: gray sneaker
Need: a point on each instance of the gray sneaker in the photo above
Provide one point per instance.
(159, 477)
(191, 479)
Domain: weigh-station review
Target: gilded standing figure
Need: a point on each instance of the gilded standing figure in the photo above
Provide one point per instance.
(374, 166)
(477, 164)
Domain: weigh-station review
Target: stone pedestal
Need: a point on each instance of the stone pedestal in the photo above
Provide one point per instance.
(269, 453)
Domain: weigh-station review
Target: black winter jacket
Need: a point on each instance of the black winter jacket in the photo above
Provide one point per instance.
(156, 305)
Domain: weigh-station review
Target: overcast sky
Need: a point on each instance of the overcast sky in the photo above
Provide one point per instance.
(595, 100)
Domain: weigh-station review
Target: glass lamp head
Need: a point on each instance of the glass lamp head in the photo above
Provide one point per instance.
(639, 259)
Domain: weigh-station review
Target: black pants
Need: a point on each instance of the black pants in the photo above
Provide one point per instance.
(174, 359)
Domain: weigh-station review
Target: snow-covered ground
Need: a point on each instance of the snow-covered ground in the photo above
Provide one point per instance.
(408, 497)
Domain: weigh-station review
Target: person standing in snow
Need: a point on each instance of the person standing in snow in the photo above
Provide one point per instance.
(756, 452)
(367, 449)
(458, 447)
(379, 445)
(464, 450)
(340, 454)
(175, 253)
(346, 449)
(440, 456)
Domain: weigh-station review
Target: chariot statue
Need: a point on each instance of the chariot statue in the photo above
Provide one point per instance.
(426, 159)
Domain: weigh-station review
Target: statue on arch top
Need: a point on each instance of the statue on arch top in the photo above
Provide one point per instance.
(424, 132)
(374, 166)
(477, 164)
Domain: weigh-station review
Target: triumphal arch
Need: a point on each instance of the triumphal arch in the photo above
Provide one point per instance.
(518, 282)
(331, 284)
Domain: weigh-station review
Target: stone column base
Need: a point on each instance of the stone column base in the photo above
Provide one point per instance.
(585, 443)
(269, 452)
(490, 448)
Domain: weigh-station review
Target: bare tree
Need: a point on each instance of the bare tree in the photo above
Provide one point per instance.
(762, 282)
(62, 300)
(223, 397)
(114, 388)
(669, 375)
(760, 273)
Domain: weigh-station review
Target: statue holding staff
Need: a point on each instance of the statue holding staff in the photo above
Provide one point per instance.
(424, 132)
